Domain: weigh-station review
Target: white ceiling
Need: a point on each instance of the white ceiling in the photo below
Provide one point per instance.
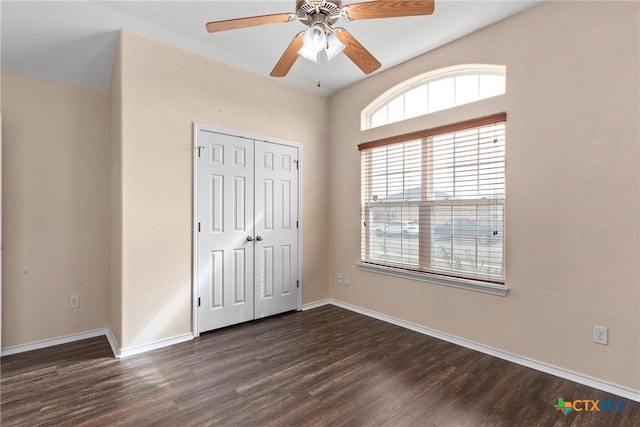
(74, 42)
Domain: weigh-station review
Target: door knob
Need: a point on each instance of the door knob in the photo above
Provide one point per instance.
(259, 238)
(249, 239)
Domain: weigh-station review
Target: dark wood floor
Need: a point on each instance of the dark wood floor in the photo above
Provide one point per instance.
(323, 367)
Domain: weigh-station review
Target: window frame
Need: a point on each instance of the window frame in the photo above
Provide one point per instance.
(484, 285)
(425, 80)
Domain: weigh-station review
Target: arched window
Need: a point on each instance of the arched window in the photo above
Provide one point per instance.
(435, 91)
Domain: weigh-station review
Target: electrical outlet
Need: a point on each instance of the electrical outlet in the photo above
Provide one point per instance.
(600, 334)
(347, 279)
(74, 301)
(340, 278)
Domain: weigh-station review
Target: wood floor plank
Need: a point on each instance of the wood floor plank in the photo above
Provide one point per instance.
(325, 366)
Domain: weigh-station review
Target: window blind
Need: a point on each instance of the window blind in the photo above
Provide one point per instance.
(433, 201)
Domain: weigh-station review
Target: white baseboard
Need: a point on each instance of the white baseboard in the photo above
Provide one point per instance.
(50, 342)
(596, 383)
(315, 304)
(113, 342)
(143, 348)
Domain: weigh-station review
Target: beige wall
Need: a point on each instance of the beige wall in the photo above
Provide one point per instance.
(97, 190)
(165, 90)
(573, 185)
(115, 214)
(55, 209)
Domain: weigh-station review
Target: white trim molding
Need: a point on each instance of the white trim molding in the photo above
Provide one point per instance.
(579, 378)
(113, 343)
(50, 342)
(316, 304)
(143, 348)
(454, 282)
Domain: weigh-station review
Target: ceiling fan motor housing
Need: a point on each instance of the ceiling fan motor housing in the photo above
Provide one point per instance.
(307, 11)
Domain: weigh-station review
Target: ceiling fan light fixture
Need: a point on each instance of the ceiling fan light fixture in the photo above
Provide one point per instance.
(334, 47)
(314, 38)
(307, 53)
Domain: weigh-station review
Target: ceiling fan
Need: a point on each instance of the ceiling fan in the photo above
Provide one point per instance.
(319, 16)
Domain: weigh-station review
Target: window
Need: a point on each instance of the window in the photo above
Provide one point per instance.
(433, 201)
(435, 91)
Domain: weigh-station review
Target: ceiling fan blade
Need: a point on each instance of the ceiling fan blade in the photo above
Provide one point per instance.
(288, 58)
(232, 24)
(389, 9)
(357, 53)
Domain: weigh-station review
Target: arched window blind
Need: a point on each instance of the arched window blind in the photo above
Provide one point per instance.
(433, 201)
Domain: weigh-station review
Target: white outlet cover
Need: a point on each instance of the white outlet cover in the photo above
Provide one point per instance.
(600, 334)
(74, 301)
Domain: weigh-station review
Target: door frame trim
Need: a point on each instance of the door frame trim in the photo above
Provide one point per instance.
(197, 127)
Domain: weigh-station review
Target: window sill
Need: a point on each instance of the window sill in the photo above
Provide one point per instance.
(470, 285)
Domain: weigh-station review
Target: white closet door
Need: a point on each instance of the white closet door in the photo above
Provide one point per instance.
(276, 227)
(247, 244)
(225, 216)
